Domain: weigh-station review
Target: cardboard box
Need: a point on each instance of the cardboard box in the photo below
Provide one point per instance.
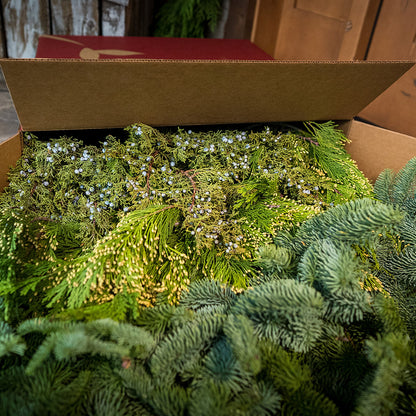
(72, 94)
(394, 38)
(329, 29)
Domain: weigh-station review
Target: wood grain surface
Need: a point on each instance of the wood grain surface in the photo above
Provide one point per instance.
(24, 21)
(75, 17)
(113, 19)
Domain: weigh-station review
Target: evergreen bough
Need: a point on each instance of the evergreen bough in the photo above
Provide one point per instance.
(187, 18)
(103, 231)
(323, 329)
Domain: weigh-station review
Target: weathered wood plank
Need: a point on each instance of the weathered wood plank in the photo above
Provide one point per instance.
(124, 3)
(24, 21)
(3, 50)
(75, 17)
(113, 20)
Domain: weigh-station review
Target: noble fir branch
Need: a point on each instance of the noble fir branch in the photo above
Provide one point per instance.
(397, 259)
(10, 342)
(210, 398)
(208, 296)
(402, 185)
(388, 312)
(243, 342)
(391, 355)
(337, 368)
(179, 354)
(155, 398)
(220, 366)
(330, 253)
(162, 319)
(407, 229)
(54, 389)
(359, 221)
(69, 340)
(335, 270)
(198, 361)
(285, 311)
(402, 266)
(293, 379)
(383, 186)
(277, 262)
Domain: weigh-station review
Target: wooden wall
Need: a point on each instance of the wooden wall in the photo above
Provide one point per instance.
(22, 21)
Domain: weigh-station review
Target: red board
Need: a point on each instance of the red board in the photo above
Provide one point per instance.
(115, 47)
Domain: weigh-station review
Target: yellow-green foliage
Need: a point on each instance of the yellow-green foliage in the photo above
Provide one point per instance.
(134, 220)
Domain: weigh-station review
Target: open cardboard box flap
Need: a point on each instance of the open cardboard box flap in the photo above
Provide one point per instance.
(64, 94)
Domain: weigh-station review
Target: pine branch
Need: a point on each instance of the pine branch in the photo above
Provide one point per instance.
(293, 379)
(181, 351)
(67, 340)
(208, 295)
(278, 262)
(284, 311)
(383, 186)
(10, 343)
(244, 344)
(390, 355)
(358, 221)
(161, 319)
(160, 399)
(336, 272)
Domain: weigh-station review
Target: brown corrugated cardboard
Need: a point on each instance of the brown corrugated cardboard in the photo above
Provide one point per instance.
(375, 149)
(395, 109)
(318, 29)
(75, 94)
(10, 151)
(394, 38)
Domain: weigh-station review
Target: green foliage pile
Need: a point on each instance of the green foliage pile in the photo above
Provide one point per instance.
(187, 18)
(105, 230)
(326, 328)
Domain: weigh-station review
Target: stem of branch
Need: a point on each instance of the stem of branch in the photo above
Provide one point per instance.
(191, 179)
(308, 139)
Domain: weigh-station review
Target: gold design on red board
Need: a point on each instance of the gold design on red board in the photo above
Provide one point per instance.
(88, 53)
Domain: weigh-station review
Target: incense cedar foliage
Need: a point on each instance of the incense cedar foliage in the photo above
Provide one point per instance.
(102, 231)
(324, 329)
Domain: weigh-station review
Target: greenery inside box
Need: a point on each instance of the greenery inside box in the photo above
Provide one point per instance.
(250, 272)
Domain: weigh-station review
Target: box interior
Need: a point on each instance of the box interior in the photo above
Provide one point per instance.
(375, 149)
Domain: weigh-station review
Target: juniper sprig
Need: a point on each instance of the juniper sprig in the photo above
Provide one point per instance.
(134, 221)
